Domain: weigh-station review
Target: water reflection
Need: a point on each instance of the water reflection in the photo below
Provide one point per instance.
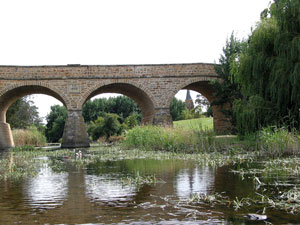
(47, 190)
(108, 188)
(194, 180)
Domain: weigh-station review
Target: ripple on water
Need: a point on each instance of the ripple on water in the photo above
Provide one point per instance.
(47, 190)
(108, 189)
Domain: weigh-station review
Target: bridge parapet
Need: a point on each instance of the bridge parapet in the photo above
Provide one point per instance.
(105, 71)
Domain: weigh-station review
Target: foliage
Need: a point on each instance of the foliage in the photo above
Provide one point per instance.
(105, 126)
(156, 138)
(177, 108)
(30, 136)
(174, 140)
(247, 113)
(228, 89)
(278, 142)
(121, 105)
(131, 121)
(139, 180)
(202, 103)
(270, 69)
(191, 114)
(95, 129)
(23, 148)
(55, 123)
(209, 112)
(22, 114)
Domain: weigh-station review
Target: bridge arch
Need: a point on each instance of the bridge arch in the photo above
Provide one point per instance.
(12, 93)
(203, 86)
(134, 91)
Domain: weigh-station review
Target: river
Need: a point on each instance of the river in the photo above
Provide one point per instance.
(65, 190)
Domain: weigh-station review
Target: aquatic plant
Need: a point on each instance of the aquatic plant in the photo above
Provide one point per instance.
(288, 201)
(139, 180)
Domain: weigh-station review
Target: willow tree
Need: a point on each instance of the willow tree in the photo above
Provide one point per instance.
(269, 70)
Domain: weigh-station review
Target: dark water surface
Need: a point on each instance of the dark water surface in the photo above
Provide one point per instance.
(96, 194)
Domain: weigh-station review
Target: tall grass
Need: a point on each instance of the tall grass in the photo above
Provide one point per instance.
(277, 142)
(168, 139)
(30, 136)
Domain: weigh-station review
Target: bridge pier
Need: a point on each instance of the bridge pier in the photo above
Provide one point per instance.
(6, 139)
(222, 124)
(75, 132)
(162, 117)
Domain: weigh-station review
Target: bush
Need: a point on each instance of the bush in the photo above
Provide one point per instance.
(131, 121)
(30, 136)
(105, 126)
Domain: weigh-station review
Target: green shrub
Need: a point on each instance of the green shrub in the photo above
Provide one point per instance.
(131, 121)
(30, 136)
(105, 126)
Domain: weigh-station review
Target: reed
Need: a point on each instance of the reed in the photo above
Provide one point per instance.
(175, 139)
(30, 136)
(277, 142)
(159, 138)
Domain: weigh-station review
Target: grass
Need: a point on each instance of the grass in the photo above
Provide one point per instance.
(186, 140)
(30, 136)
(278, 142)
(195, 124)
(171, 139)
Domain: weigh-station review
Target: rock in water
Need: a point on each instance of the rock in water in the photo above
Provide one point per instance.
(253, 216)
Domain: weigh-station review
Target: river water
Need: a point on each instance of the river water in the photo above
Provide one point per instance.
(97, 194)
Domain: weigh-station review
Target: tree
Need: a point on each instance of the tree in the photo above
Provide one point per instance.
(55, 123)
(93, 109)
(105, 126)
(22, 114)
(201, 102)
(177, 108)
(121, 105)
(269, 70)
(131, 121)
(95, 129)
(227, 90)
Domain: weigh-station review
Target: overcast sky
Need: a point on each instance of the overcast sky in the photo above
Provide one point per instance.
(95, 32)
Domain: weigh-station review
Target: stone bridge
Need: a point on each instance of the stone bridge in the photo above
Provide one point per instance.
(152, 87)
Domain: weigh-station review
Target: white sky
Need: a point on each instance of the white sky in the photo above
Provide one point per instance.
(60, 32)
